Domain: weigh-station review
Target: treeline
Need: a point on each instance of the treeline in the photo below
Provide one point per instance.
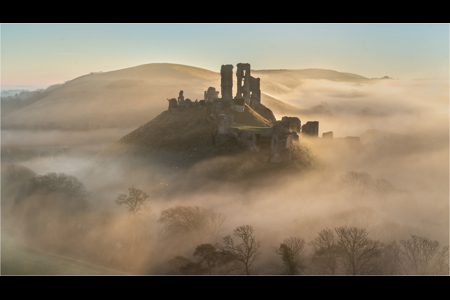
(54, 212)
(24, 98)
(339, 251)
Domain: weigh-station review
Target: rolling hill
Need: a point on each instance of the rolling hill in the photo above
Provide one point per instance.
(130, 97)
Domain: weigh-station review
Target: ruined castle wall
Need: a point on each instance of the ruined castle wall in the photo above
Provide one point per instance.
(173, 103)
(225, 124)
(281, 143)
(247, 140)
(238, 104)
(226, 85)
(327, 135)
(294, 123)
(210, 95)
(311, 128)
(243, 82)
(255, 89)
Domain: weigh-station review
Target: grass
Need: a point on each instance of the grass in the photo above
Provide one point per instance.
(254, 129)
(18, 258)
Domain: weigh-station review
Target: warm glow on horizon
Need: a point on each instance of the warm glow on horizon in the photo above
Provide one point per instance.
(46, 54)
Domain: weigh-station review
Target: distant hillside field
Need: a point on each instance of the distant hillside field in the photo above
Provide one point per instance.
(131, 97)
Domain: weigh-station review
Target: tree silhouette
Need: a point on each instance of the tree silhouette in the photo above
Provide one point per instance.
(421, 255)
(326, 252)
(247, 251)
(357, 182)
(136, 202)
(291, 255)
(358, 250)
(193, 224)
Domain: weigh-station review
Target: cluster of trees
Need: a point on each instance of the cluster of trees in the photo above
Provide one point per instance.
(342, 251)
(360, 183)
(44, 202)
(51, 204)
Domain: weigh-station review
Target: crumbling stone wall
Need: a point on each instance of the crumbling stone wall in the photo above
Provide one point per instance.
(275, 143)
(311, 128)
(180, 98)
(293, 123)
(281, 143)
(210, 95)
(243, 82)
(226, 73)
(255, 89)
(225, 124)
(172, 103)
(247, 140)
(238, 104)
(327, 135)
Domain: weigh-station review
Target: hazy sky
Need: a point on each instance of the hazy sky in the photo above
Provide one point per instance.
(44, 54)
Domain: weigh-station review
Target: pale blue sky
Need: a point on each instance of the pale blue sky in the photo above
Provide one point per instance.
(44, 54)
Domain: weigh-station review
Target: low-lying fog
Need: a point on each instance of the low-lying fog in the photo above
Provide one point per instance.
(404, 131)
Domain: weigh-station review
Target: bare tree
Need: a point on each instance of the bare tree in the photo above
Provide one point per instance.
(185, 266)
(207, 261)
(420, 255)
(136, 202)
(391, 259)
(382, 188)
(208, 254)
(247, 251)
(357, 182)
(442, 267)
(291, 252)
(193, 224)
(327, 253)
(359, 252)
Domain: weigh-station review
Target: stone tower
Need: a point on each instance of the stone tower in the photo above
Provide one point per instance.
(226, 72)
(243, 82)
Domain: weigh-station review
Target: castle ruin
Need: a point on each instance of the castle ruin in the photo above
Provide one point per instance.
(276, 141)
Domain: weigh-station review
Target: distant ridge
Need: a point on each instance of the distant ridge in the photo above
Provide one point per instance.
(130, 97)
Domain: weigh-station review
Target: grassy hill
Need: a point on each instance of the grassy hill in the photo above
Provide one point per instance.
(180, 147)
(179, 137)
(130, 97)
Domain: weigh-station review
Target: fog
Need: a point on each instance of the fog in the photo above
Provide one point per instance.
(404, 138)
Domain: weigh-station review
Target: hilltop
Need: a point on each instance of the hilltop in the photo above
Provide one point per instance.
(178, 138)
(223, 138)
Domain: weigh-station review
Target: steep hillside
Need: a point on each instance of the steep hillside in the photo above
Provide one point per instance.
(179, 137)
(179, 152)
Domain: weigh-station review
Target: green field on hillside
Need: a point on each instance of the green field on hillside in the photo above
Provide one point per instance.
(254, 129)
